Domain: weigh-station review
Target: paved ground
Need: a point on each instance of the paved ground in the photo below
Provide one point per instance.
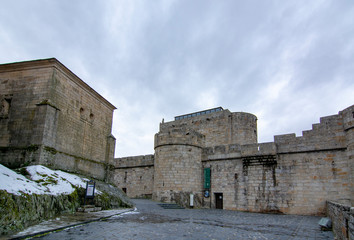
(65, 221)
(151, 221)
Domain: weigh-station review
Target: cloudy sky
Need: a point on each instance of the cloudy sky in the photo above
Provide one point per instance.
(288, 62)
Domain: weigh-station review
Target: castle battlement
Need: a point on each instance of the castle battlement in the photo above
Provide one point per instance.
(326, 135)
(348, 117)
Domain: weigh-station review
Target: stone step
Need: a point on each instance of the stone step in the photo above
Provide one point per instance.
(89, 208)
(170, 206)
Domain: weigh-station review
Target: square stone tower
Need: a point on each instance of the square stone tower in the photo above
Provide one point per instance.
(50, 116)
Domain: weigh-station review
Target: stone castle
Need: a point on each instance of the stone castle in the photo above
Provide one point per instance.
(206, 159)
(214, 155)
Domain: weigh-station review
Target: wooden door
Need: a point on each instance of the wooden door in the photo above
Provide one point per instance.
(218, 200)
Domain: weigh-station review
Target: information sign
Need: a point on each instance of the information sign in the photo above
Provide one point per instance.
(207, 176)
(90, 190)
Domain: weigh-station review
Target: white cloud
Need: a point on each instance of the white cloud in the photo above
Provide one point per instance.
(288, 62)
(207, 99)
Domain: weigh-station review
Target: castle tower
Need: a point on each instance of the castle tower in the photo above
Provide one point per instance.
(179, 145)
(243, 128)
(48, 115)
(219, 126)
(178, 166)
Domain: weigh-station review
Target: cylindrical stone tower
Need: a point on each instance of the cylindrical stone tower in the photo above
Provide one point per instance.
(178, 166)
(243, 128)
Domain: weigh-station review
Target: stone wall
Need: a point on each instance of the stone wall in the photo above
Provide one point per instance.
(342, 216)
(292, 175)
(87, 115)
(18, 212)
(348, 125)
(135, 175)
(50, 116)
(20, 94)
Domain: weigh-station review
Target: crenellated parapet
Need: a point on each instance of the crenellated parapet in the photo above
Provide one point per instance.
(348, 117)
(327, 135)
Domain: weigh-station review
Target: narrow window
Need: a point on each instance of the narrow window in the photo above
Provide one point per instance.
(82, 111)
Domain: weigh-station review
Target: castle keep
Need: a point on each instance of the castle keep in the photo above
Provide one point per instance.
(214, 155)
(50, 116)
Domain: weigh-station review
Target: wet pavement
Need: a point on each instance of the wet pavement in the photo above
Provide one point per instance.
(151, 221)
(65, 221)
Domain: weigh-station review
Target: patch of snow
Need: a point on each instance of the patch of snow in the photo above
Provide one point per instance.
(57, 182)
(42, 181)
(135, 211)
(15, 183)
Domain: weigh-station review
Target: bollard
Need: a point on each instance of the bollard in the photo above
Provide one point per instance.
(191, 200)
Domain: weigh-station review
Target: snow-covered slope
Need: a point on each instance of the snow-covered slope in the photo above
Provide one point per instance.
(42, 180)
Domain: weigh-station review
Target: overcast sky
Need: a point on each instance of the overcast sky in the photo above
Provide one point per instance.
(287, 62)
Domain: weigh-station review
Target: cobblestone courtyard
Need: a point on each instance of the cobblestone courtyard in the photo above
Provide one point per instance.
(150, 221)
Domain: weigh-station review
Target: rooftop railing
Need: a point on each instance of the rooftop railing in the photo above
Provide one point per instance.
(218, 109)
